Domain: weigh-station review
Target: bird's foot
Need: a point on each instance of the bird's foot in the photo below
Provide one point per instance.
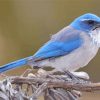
(82, 75)
(77, 75)
(27, 71)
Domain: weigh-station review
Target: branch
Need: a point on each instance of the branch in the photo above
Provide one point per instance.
(56, 83)
(52, 86)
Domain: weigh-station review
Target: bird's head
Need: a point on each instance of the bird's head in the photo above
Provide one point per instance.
(89, 23)
(86, 22)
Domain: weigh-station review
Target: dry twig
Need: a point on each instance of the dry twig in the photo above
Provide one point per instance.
(51, 86)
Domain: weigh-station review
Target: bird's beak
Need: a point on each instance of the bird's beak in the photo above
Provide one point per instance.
(96, 26)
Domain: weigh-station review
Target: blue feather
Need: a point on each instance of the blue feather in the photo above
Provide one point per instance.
(58, 48)
(14, 64)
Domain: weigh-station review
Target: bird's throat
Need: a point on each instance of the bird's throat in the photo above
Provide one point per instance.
(95, 35)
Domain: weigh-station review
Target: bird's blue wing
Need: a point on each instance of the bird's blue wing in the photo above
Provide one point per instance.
(61, 44)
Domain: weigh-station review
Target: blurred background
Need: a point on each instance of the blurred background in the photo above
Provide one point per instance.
(26, 24)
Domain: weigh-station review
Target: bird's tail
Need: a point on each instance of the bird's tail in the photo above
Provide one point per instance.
(14, 64)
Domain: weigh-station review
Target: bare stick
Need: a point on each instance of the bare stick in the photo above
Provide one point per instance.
(65, 86)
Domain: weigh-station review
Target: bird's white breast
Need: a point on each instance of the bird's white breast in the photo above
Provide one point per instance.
(75, 60)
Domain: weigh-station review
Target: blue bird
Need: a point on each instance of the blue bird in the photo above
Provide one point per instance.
(69, 49)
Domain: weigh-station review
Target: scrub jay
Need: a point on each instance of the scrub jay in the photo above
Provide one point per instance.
(69, 49)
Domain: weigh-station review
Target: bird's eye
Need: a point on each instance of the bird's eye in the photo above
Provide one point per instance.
(91, 22)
